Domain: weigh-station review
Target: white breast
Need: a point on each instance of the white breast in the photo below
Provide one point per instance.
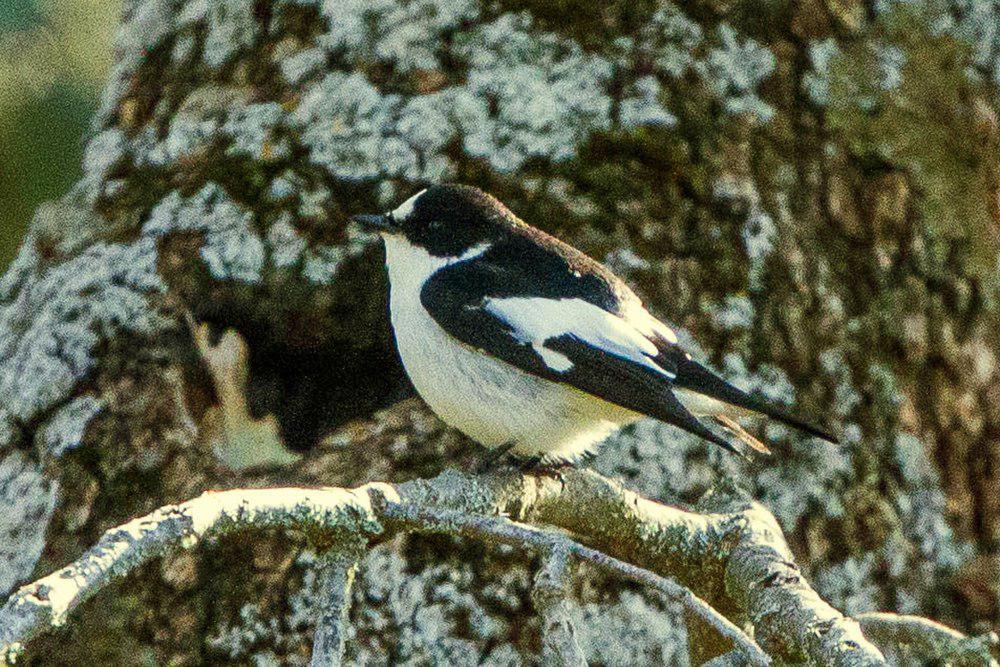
(489, 400)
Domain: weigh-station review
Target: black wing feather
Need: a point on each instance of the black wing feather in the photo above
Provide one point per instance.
(696, 377)
(630, 385)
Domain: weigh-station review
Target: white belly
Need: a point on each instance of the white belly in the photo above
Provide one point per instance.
(489, 400)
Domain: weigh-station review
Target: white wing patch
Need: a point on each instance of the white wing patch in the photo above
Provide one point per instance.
(557, 361)
(649, 325)
(536, 320)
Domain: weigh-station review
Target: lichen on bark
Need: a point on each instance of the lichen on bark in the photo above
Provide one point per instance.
(741, 168)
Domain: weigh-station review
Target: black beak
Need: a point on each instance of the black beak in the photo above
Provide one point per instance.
(375, 222)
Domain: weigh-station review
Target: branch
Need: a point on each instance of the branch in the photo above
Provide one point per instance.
(336, 571)
(47, 603)
(559, 644)
(493, 529)
(735, 558)
(932, 640)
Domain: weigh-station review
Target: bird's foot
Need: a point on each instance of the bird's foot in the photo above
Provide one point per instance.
(533, 465)
(537, 466)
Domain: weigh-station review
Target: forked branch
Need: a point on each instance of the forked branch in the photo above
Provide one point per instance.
(733, 557)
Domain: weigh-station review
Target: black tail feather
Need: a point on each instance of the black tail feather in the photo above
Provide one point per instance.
(695, 377)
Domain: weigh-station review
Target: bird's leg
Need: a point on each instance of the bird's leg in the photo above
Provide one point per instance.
(489, 461)
(530, 464)
(552, 469)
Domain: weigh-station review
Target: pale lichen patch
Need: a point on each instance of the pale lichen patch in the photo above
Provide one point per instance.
(232, 27)
(526, 93)
(29, 499)
(252, 131)
(404, 34)
(49, 330)
(345, 120)
(284, 242)
(632, 631)
(65, 430)
(103, 152)
(644, 105)
(302, 64)
(147, 24)
(186, 136)
(232, 249)
(549, 94)
(734, 69)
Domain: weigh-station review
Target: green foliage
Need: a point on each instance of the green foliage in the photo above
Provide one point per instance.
(41, 156)
(53, 58)
(15, 14)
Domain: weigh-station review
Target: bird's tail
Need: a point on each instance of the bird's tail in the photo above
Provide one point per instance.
(693, 376)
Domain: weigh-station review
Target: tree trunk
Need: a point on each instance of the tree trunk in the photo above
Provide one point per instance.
(808, 190)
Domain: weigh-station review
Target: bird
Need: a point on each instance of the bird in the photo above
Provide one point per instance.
(532, 348)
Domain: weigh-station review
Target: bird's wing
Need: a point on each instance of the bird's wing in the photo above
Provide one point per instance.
(543, 325)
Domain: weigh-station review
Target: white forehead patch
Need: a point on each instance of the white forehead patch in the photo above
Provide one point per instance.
(406, 208)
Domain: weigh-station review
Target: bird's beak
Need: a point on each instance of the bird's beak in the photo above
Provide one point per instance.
(375, 222)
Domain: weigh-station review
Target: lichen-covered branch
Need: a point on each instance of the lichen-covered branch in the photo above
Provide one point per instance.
(508, 532)
(742, 543)
(337, 570)
(932, 640)
(48, 602)
(741, 547)
(559, 644)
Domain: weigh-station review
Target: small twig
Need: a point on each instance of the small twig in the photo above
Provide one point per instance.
(337, 569)
(933, 640)
(559, 643)
(517, 534)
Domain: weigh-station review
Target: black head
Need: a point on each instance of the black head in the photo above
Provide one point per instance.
(445, 220)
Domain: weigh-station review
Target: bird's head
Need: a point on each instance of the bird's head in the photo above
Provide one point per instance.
(443, 220)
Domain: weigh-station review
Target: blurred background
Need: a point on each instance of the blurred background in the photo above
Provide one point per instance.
(54, 55)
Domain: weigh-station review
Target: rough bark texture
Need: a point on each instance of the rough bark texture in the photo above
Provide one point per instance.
(809, 189)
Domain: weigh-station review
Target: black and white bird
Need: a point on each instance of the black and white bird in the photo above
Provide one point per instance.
(527, 345)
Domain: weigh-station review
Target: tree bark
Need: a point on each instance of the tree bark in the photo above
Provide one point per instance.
(824, 231)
